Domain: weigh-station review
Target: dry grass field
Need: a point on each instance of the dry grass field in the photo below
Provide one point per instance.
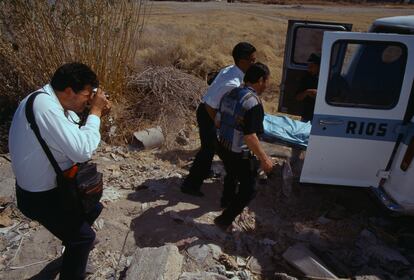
(195, 37)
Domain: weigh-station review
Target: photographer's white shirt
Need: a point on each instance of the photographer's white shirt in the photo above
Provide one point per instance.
(229, 78)
(67, 142)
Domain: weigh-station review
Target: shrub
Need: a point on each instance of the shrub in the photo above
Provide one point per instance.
(39, 36)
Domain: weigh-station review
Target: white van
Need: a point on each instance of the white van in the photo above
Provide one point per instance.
(363, 126)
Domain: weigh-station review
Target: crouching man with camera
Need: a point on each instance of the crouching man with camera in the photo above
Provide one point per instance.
(240, 120)
(45, 143)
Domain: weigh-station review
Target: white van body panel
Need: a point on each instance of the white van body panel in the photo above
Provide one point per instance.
(335, 158)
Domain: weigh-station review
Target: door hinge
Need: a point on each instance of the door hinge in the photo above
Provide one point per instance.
(383, 174)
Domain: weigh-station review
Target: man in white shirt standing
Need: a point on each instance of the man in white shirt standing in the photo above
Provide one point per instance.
(230, 77)
(69, 92)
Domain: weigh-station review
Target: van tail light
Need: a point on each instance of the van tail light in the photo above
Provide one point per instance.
(408, 157)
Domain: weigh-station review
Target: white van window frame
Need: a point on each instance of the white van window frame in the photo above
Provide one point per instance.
(333, 57)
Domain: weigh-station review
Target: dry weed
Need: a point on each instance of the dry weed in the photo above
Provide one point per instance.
(39, 36)
(163, 96)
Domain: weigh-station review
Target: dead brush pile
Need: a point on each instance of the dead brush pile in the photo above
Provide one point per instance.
(160, 96)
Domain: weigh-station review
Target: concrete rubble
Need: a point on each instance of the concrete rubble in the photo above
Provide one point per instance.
(155, 263)
(302, 258)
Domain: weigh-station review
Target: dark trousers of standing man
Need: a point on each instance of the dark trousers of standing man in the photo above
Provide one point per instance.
(240, 170)
(202, 162)
(75, 232)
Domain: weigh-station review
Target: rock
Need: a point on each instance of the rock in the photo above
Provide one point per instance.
(254, 266)
(110, 194)
(112, 131)
(387, 255)
(268, 242)
(219, 269)
(199, 253)
(367, 277)
(99, 224)
(201, 276)
(303, 259)
(33, 224)
(215, 250)
(228, 262)
(115, 157)
(156, 264)
(283, 276)
(241, 262)
(311, 235)
(244, 275)
(156, 186)
(230, 274)
(182, 140)
(323, 220)
(5, 217)
(149, 138)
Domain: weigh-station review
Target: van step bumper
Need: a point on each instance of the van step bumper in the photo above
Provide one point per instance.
(386, 200)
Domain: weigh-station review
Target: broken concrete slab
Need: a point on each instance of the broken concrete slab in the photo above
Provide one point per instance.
(156, 263)
(7, 180)
(202, 276)
(283, 276)
(307, 262)
(149, 138)
(199, 252)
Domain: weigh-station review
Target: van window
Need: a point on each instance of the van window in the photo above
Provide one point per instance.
(307, 40)
(366, 74)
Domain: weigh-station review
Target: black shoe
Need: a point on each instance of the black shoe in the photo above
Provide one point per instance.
(221, 223)
(192, 191)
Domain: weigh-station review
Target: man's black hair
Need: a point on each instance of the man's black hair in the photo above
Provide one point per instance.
(74, 75)
(255, 72)
(242, 50)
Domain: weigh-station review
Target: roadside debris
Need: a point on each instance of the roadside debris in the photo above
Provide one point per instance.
(310, 265)
(149, 138)
(155, 263)
(142, 196)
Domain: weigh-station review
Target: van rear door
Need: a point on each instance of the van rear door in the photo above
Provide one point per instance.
(363, 92)
(302, 39)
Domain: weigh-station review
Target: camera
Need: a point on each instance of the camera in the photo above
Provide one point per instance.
(95, 90)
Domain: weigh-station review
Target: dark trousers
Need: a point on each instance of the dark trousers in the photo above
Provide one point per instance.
(75, 233)
(202, 162)
(242, 171)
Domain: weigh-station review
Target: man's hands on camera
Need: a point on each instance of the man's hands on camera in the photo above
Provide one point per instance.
(100, 105)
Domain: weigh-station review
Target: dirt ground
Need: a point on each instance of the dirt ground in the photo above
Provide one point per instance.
(144, 207)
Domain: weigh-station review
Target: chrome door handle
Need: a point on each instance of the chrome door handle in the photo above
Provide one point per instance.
(330, 122)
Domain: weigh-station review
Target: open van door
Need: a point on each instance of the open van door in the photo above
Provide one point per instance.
(302, 39)
(360, 110)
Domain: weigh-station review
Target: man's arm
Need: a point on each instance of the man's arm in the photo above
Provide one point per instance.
(78, 144)
(254, 145)
(307, 92)
(211, 111)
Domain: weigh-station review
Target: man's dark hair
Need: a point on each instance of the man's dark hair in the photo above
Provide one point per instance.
(74, 75)
(255, 72)
(242, 50)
